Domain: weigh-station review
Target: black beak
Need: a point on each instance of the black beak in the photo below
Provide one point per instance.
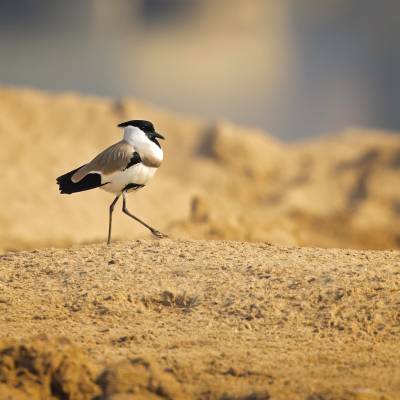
(157, 135)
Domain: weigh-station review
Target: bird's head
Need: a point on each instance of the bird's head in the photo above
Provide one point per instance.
(140, 128)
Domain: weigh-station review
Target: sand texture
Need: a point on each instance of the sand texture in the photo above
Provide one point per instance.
(218, 181)
(175, 319)
(243, 315)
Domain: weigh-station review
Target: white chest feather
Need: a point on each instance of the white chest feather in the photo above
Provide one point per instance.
(138, 174)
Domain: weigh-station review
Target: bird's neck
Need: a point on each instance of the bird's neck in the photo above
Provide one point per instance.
(132, 134)
(148, 150)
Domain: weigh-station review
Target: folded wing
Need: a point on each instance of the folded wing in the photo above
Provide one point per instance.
(115, 158)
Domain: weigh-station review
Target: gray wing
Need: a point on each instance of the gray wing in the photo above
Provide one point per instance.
(114, 158)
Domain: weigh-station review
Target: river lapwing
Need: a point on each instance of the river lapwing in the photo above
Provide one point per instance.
(124, 167)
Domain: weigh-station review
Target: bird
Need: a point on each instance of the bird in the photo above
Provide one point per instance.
(124, 167)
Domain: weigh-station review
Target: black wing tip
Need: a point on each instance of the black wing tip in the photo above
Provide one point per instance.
(64, 192)
(66, 186)
(62, 185)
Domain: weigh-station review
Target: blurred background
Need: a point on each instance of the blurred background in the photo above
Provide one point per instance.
(294, 68)
(225, 81)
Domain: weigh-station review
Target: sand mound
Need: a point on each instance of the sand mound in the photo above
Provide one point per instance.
(200, 319)
(140, 378)
(218, 181)
(44, 368)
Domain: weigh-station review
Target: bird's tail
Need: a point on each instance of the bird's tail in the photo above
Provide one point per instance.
(66, 186)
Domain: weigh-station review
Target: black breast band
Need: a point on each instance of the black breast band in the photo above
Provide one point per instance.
(135, 159)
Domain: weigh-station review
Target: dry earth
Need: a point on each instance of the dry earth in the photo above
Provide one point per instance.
(218, 181)
(176, 319)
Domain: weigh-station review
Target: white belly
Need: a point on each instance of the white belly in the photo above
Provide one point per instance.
(138, 173)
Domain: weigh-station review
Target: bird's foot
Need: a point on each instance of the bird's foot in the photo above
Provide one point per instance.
(158, 234)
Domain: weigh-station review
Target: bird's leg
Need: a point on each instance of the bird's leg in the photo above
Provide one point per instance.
(110, 218)
(152, 230)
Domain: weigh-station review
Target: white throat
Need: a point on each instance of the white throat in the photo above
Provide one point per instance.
(142, 144)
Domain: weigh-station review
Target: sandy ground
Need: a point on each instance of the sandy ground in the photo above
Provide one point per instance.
(179, 319)
(217, 181)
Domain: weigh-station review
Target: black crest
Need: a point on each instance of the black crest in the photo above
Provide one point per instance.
(145, 126)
